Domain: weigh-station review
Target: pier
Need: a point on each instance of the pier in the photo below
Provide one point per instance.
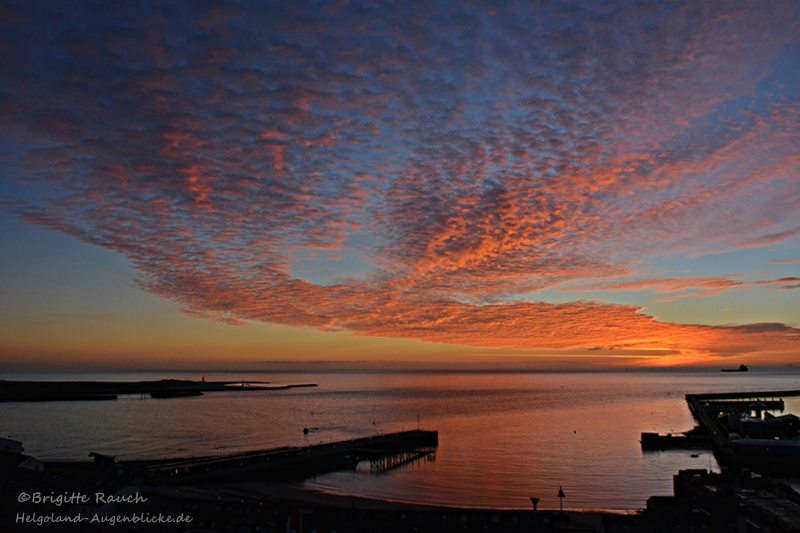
(382, 462)
(706, 408)
(744, 405)
(385, 452)
(716, 431)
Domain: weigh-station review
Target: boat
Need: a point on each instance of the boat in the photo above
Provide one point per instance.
(742, 368)
(688, 440)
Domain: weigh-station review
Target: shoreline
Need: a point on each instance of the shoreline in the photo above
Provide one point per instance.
(379, 512)
(290, 492)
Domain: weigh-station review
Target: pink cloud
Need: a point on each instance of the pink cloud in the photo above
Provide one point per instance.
(762, 240)
(468, 163)
(692, 287)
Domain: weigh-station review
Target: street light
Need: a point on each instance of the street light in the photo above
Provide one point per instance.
(561, 497)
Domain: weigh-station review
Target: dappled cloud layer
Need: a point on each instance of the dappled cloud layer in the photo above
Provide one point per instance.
(413, 171)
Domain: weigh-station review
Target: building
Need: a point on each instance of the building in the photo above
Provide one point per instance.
(10, 445)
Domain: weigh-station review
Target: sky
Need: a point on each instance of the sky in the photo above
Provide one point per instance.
(208, 184)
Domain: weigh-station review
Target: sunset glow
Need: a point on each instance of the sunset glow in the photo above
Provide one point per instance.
(585, 183)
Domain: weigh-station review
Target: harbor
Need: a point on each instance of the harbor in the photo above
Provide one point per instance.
(254, 492)
(743, 432)
(740, 428)
(338, 266)
(492, 443)
(264, 489)
(751, 444)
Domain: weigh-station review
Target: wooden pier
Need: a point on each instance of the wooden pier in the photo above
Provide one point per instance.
(389, 460)
(386, 451)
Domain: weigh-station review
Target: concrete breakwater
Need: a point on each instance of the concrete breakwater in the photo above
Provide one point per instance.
(44, 391)
(735, 447)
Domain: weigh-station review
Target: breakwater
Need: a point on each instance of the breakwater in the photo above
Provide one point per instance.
(45, 391)
(710, 411)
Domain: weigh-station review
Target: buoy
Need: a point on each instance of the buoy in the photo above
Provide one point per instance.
(305, 431)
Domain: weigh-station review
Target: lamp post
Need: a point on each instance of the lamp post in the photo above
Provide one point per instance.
(561, 497)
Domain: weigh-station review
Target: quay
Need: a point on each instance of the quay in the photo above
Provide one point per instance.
(744, 405)
(711, 409)
(720, 442)
(385, 452)
(760, 395)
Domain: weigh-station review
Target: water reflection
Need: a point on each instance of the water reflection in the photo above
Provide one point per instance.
(503, 438)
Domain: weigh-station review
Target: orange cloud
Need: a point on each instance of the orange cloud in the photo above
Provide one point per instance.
(462, 175)
(693, 287)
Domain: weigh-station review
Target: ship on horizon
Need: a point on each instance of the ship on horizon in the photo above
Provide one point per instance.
(742, 368)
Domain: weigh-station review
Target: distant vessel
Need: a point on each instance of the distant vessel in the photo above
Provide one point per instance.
(742, 368)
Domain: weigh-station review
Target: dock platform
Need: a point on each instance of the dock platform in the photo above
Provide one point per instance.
(705, 408)
(299, 462)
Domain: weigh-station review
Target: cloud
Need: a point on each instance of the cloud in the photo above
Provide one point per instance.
(687, 287)
(762, 240)
(465, 155)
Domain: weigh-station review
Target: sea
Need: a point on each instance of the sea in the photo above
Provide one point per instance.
(504, 436)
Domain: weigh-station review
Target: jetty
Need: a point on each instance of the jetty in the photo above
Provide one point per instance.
(385, 451)
(54, 391)
(717, 412)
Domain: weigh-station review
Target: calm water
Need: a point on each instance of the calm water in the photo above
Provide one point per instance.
(503, 437)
